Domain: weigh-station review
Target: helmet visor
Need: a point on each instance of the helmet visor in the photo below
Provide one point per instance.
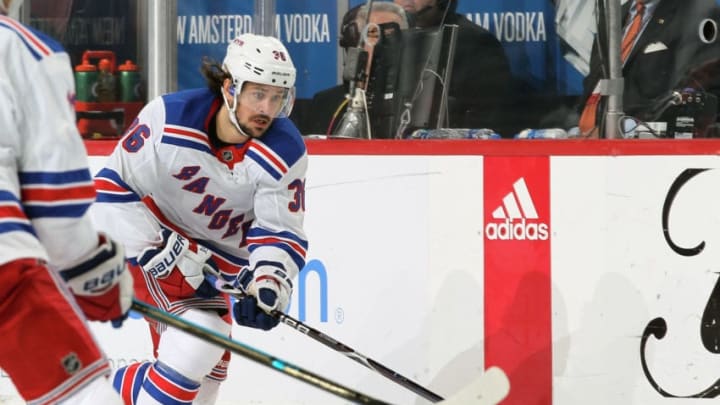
(273, 101)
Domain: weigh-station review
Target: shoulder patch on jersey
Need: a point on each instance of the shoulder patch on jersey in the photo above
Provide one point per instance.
(279, 148)
(39, 44)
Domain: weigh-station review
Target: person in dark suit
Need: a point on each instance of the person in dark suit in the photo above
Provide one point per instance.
(327, 106)
(674, 37)
(325, 103)
(481, 79)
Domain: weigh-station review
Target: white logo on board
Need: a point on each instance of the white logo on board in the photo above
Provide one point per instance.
(516, 218)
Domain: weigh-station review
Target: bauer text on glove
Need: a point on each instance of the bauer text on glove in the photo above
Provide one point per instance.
(178, 263)
(102, 285)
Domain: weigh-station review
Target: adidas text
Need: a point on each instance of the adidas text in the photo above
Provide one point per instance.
(522, 230)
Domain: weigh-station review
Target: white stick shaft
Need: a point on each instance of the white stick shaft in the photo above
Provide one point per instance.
(488, 389)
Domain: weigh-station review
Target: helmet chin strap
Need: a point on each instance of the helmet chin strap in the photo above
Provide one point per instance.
(232, 115)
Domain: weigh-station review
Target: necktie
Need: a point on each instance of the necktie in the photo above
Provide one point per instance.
(633, 31)
(588, 119)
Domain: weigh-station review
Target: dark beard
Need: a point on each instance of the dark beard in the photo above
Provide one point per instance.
(250, 132)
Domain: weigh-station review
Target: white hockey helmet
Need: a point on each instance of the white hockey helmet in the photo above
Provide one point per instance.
(262, 60)
(10, 7)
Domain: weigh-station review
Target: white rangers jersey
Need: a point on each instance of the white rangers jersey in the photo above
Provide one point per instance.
(45, 184)
(244, 202)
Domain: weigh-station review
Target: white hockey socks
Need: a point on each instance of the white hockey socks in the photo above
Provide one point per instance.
(183, 362)
(190, 356)
(208, 393)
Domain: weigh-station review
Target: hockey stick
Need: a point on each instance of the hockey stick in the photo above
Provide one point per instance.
(488, 389)
(253, 354)
(326, 340)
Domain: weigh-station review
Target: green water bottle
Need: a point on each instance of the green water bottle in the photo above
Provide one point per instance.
(86, 76)
(129, 82)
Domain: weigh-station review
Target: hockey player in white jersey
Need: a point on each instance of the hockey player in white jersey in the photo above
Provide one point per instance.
(56, 270)
(209, 177)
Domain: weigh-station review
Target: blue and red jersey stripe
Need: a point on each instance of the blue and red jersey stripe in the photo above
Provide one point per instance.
(65, 194)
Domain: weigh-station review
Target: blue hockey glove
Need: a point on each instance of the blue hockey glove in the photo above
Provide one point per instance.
(268, 289)
(247, 313)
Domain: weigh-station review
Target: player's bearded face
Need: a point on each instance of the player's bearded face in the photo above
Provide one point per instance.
(258, 105)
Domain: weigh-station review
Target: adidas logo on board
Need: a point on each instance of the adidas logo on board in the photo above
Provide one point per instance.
(516, 218)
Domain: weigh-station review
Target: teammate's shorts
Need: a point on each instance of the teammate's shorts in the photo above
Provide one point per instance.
(45, 344)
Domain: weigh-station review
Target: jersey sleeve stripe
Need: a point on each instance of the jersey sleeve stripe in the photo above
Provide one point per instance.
(32, 42)
(268, 154)
(111, 188)
(262, 233)
(276, 241)
(186, 143)
(290, 249)
(287, 241)
(56, 194)
(36, 194)
(12, 217)
(55, 178)
(117, 198)
(186, 131)
(186, 137)
(108, 186)
(268, 166)
(111, 176)
(6, 227)
(59, 211)
(12, 212)
(289, 236)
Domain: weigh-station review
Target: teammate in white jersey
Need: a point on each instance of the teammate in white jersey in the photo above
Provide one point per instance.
(56, 270)
(211, 177)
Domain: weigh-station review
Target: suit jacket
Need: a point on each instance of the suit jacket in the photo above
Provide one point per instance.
(663, 56)
(479, 85)
(323, 106)
(481, 81)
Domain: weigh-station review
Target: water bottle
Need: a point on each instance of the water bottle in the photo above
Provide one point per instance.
(545, 133)
(455, 133)
(86, 77)
(129, 82)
